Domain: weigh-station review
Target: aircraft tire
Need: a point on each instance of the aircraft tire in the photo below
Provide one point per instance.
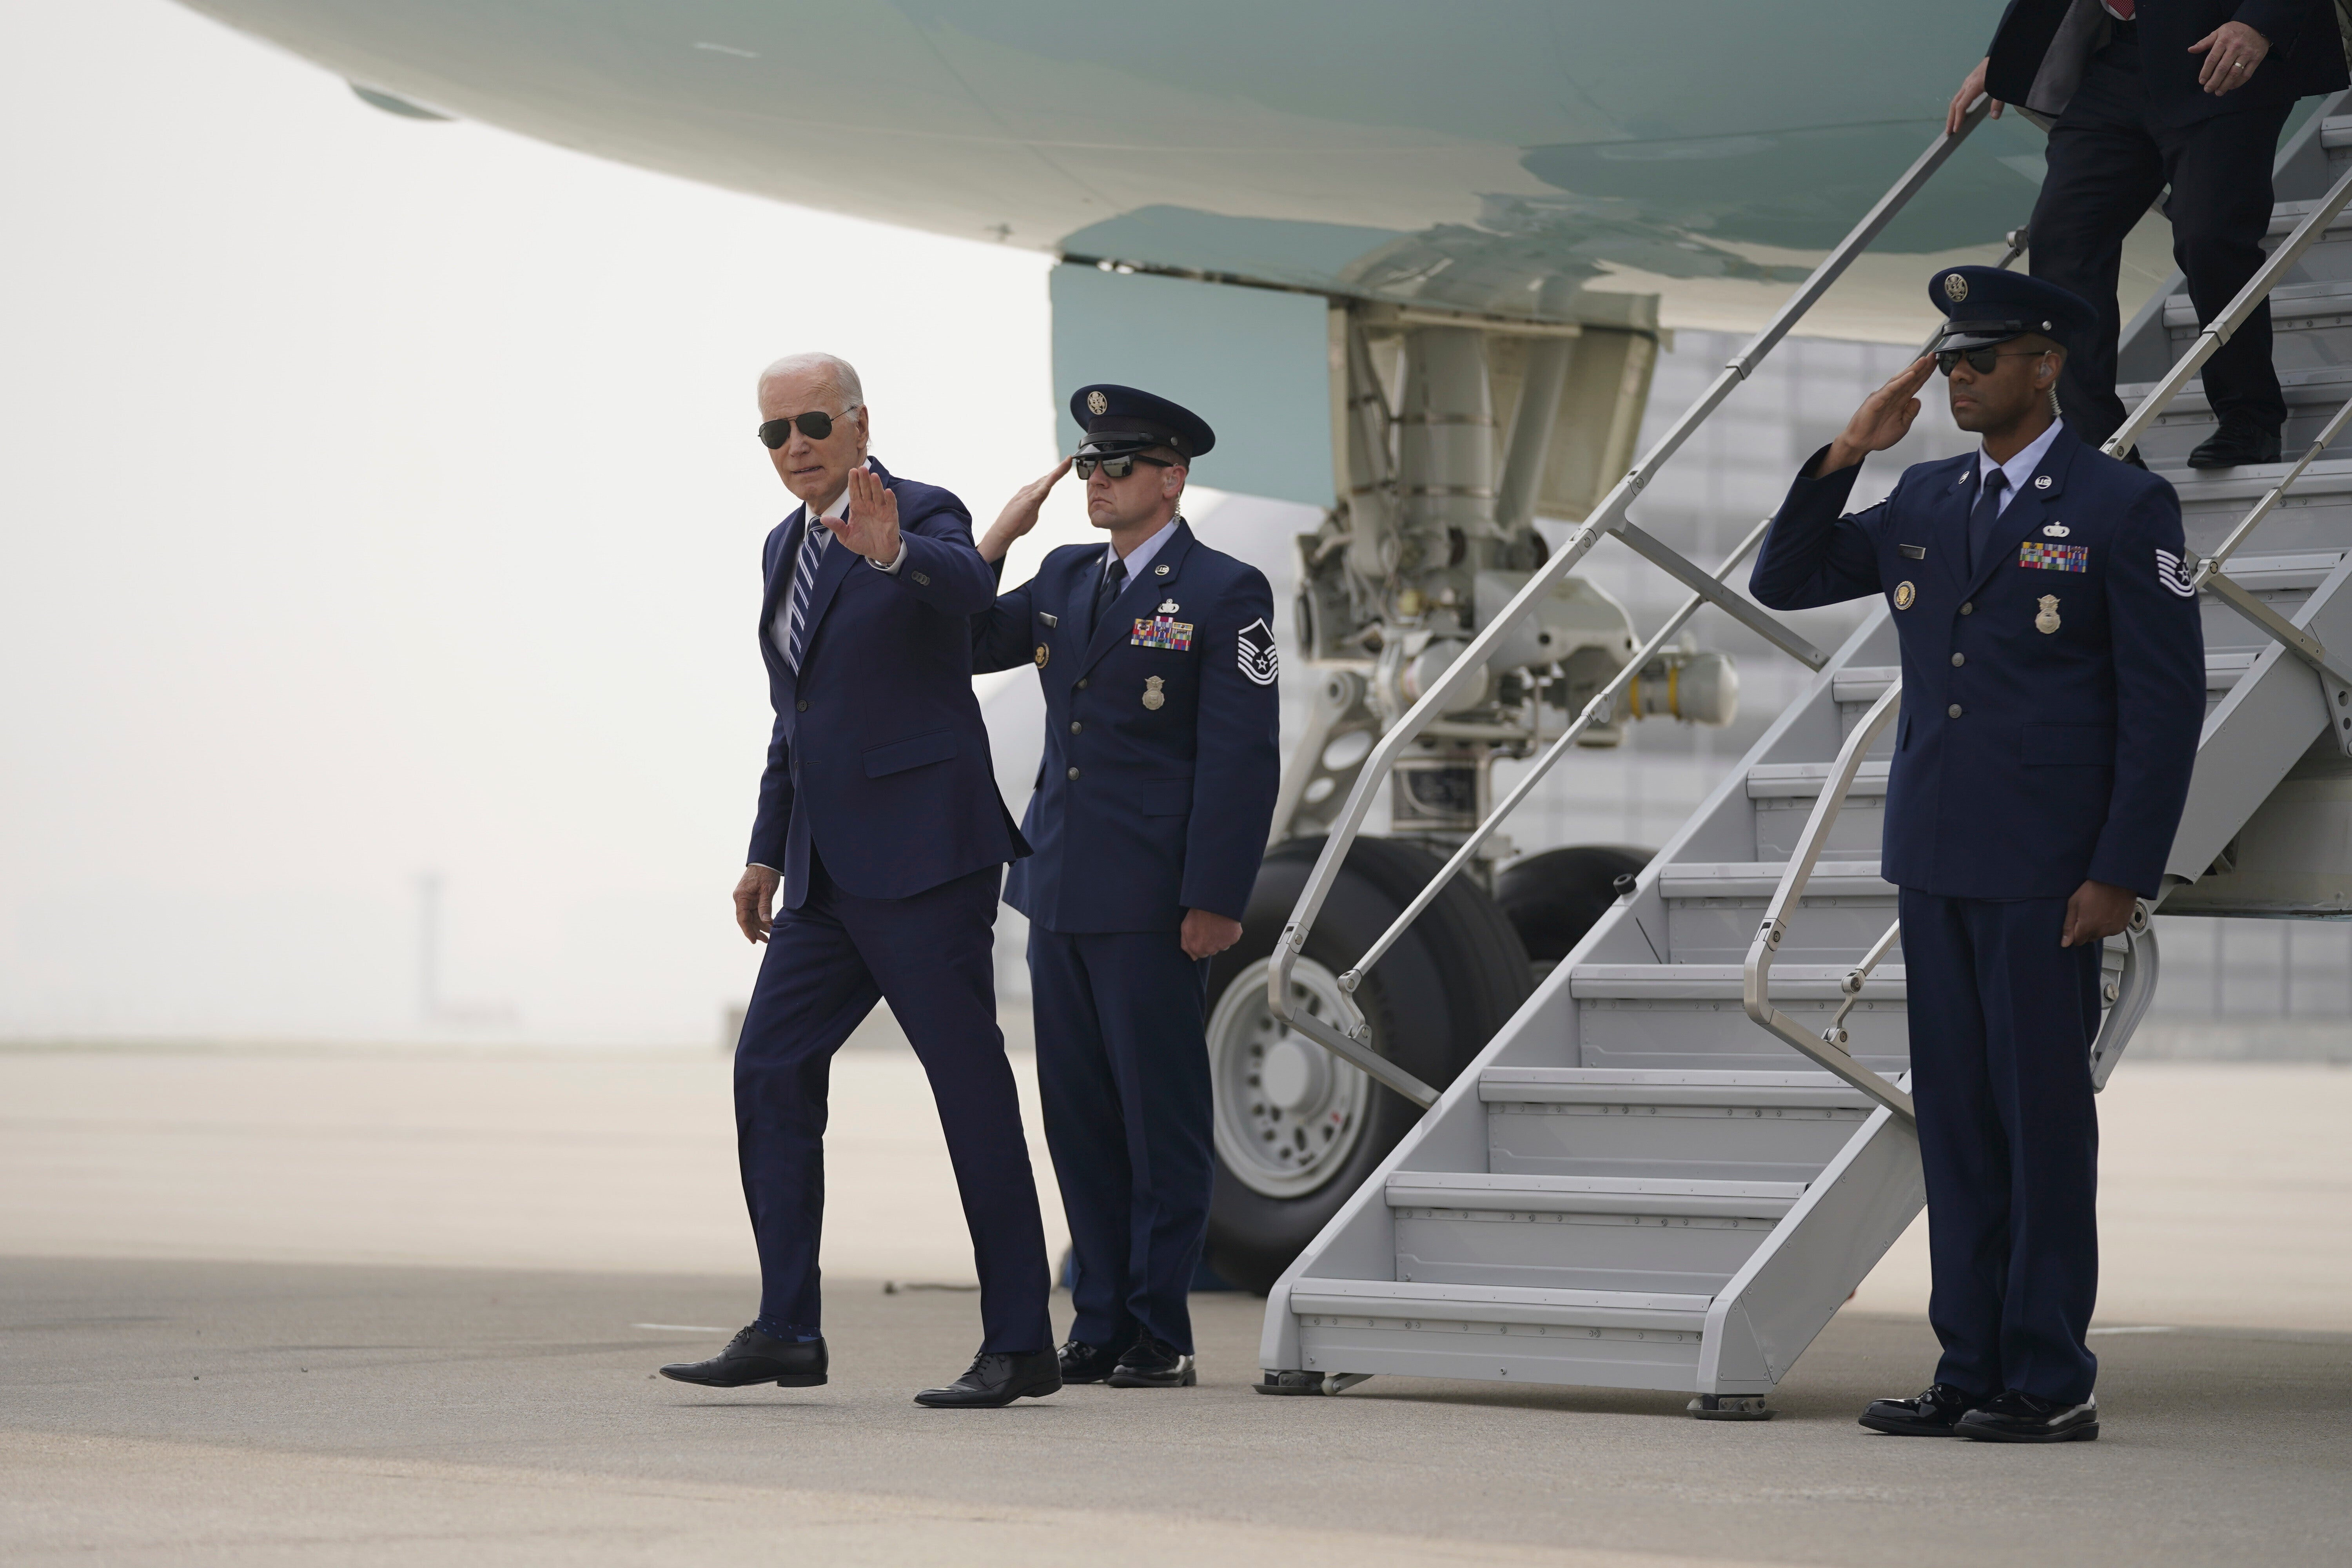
(1434, 1002)
(1554, 898)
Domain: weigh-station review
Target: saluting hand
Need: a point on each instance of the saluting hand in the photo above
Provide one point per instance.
(1020, 513)
(870, 527)
(1884, 418)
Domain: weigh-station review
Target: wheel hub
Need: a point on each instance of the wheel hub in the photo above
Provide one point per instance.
(1289, 1114)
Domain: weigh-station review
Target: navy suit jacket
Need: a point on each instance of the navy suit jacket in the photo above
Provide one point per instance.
(2027, 760)
(2306, 53)
(1144, 810)
(880, 758)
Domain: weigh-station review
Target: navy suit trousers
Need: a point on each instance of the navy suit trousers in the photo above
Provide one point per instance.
(1124, 1077)
(2109, 156)
(2002, 1024)
(931, 956)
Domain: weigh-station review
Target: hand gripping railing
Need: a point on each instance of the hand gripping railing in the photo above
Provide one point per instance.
(1353, 1042)
(1828, 1047)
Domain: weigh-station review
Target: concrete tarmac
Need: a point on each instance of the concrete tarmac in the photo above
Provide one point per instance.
(250, 1313)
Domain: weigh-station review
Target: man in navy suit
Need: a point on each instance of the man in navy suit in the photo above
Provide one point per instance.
(878, 815)
(1154, 796)
(2144, 94)
(2054, 687)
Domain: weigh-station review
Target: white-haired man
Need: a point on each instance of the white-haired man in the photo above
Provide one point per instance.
(879, 816)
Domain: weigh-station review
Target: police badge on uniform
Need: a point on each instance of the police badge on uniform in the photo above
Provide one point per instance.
(1255, 651)
(1152, 696)
(2047, 621)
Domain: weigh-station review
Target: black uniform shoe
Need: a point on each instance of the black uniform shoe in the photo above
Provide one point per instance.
(2237, 441)
(2131, 454)
(1932, 1415)
(754, 1357)
(1152, 1363)
(2019, 1417)
(1083, 1362)
(999, 1377)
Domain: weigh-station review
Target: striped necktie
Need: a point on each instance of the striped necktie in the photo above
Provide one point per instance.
(812, 543)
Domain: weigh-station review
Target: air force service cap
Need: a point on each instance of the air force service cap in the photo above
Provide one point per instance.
(1985, 305)
(1120, 419)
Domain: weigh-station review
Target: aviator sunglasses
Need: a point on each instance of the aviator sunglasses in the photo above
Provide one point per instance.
(816, 427)
(1981, 361)
(1116, 467)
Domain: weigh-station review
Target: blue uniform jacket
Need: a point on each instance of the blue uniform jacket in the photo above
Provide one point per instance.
(2027, 759)
(879, 756)
(1144, 810)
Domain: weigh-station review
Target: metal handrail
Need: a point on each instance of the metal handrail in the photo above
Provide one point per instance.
(1353, 1044)
(2135, 989)
(2221, 328)
(1596, 711)
(1828, 1047)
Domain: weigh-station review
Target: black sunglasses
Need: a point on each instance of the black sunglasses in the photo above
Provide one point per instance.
(1981, 361)
(816, 426)
(1117, 467)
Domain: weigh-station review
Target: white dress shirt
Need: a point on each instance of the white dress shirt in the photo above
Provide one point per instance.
(780, 629)
(1140, 556)
(2021, 468)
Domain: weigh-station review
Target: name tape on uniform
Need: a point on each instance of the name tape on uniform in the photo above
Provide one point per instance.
(2043, 557)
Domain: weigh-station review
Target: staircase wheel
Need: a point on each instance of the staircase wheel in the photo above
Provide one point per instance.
(1297, 1131)
(1554, 898)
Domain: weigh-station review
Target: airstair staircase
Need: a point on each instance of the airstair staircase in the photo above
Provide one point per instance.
(1637, 1186)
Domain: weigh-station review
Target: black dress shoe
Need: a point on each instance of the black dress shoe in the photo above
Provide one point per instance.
(1153, 1364)
(2131, 454)
(754, 1357)
(1932, 1415)
(2237, 441)
(999, 1377)
(2020, 1418)
(1083, 1362)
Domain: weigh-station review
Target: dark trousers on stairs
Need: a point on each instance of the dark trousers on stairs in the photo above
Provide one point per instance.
(2002, 1024)
(2108, 158)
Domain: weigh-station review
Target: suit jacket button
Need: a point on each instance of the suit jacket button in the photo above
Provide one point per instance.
(1076, 726)
(801, 705)
(1074, 773)
(1969, 608)
(1082, 686)
(1958, 659)
(1951, 713)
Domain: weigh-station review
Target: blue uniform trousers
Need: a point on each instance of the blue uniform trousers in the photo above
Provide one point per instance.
(931, 956)
(2002, 1024)
(1123, 1073)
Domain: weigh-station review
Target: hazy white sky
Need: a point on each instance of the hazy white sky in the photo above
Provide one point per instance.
(379, 498)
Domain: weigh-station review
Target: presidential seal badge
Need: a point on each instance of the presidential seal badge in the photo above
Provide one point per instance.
(1043, 653)
(2047, 621)
(1153, 697)
(1956, 288)
(1903, 594)
(1255, 651)
(1096, 403)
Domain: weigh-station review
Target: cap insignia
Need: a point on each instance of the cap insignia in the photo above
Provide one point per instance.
(1956, 288)
(1096, 402)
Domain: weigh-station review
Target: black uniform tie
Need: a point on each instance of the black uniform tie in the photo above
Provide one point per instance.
(1981, 521)
(1113, 579)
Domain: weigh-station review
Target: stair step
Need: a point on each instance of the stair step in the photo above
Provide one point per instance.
(1751, 880)
(1864, 683)
(1745, 1092)
(2295, 307)
(2285, 216)
(1723, 982)
(1422, 1303)
(2336, 132)
(1787, 781)
(1636, 1195)
(2324, 390)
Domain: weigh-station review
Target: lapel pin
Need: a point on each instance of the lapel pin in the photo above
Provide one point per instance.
(1043, 653)
(1160, 571)
(1903, 594)
(2042, 482)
